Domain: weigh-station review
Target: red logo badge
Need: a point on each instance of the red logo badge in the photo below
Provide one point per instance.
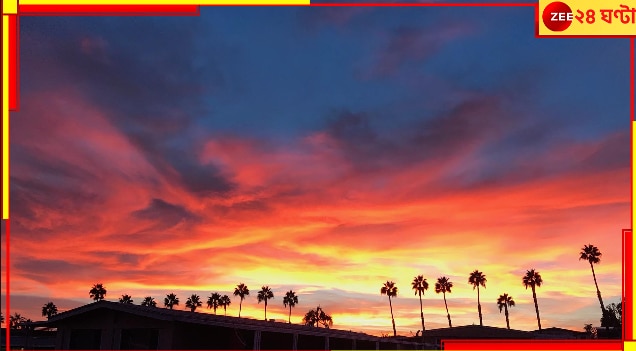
(557, 16)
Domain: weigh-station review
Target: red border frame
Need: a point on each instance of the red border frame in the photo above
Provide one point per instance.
(194, 10)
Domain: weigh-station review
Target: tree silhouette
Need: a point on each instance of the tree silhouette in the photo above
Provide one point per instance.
(241, 291)
(324, 318)
(613, 316)
(589, 330)
(171, 300)
(317, 317)
(264, 295)
(48, 310)
(420, 285)
(444, 285)
(149, 301)
(214, 301)
(290, 299)
(126, 299)
(477, 279)
(225, 301)
(503, 302)
(15, 320)
(591, 254)
(193, 302)
(97, 292)
(311, 318)
(389, 289)
(533, 279)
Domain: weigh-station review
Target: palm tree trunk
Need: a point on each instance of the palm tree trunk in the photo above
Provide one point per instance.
(600, 299)
(289, 313)
(481, 323)
(536, 306)
(392, 319)
(240, 307)
(450, 325)
(422, 312)
(598, 292)
(507, 320)
(265, 309)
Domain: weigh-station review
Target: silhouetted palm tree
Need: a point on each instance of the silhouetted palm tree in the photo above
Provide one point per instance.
(476, 279)
(193, 302)
(214, 301)
(241, 291)
(591, 254)
(290, 299)
(171, 300)
(444, 285)
(503, 302)
(389, 289)
(420, 284)
(15, 320)
(225, 301)
(264, 295)
(149, 301)
(97, 292)
(49, 309)
(533, 279)
(127, 299)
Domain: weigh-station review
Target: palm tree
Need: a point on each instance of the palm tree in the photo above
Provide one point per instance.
(225, 301)
(389, 289)
(476, 279)
(444, 285)
(420, 284)
(214, 301)
(264, 295)
(193, 302)
(591, 254)
(97, 292)
(533, 279)
(290, 299)
(504, 301)
(149, 301)
(241, 290)
(49, 310)
(15, 320)
(126, 299)
(171, 300)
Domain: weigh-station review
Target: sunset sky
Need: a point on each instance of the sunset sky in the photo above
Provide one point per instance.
(324, 150)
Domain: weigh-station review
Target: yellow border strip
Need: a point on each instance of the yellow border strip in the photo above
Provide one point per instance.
(5, 117)
(9, 7)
